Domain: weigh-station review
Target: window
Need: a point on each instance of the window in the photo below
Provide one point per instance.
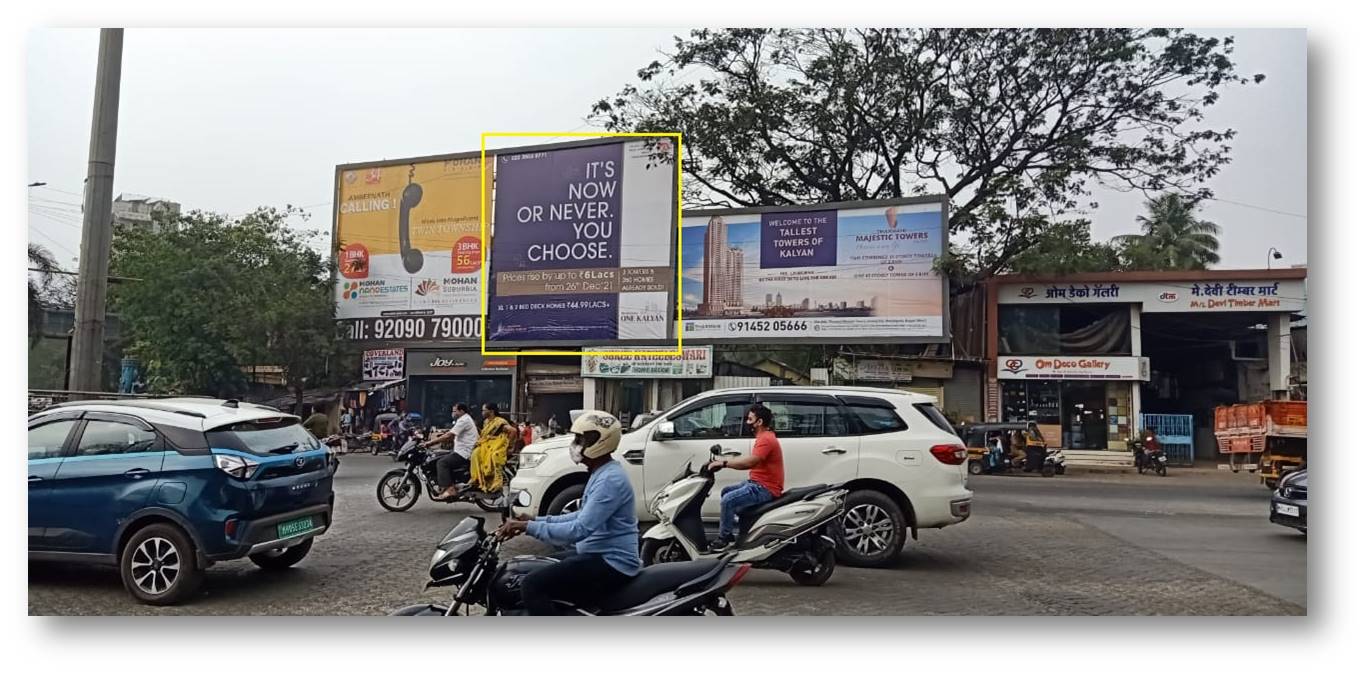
(876, 419)
(1081, 329)
(45, 441)
(713, 421)
(264, 436)
(792, 418)
(103, 438)
(932, 414)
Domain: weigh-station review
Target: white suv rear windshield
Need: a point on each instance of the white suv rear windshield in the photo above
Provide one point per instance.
(932, 414)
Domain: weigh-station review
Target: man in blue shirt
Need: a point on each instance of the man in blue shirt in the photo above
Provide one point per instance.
(604, 529)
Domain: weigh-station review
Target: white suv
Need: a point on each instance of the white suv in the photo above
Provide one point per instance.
(894, 450)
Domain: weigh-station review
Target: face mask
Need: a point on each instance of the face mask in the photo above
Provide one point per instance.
(575, 452)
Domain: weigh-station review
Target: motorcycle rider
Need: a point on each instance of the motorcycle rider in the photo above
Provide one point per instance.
(465, 434)
(766, 476)
(604, 529)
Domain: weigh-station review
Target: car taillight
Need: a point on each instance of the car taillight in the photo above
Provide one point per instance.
(237, 466)
(738, 576)
(950, 454)
(230, 528)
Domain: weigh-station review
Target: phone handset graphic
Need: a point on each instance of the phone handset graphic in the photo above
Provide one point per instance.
(411, 257)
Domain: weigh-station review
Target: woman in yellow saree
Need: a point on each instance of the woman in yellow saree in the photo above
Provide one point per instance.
(489, 455)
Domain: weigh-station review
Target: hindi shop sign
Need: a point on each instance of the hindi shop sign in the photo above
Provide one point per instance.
(695, 362)
(384, 364)
(1172, 297)
(1070, 367)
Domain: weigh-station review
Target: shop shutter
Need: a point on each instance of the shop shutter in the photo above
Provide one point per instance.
(963, 392)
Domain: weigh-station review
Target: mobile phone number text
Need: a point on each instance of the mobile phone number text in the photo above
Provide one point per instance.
(420, 327)
(769, 326)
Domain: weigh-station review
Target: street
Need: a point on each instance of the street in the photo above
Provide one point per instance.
(1194, 543)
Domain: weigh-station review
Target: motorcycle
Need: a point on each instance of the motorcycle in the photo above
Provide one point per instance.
(469, 559)
(400, 488)
(790, 533)
(1155, 461)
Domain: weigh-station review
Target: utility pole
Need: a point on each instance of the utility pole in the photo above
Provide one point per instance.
(92, 286)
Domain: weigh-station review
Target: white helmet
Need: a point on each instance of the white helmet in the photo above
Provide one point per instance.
(597, 432)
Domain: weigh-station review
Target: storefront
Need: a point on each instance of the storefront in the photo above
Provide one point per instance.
(629, 385)
(928, 377)
(1095, 358)
(550, 386)
(437, 379)
(1078, 403)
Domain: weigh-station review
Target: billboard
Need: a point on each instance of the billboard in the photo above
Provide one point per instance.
(583, 244)
(695, 362)
(384, 364)
(835, 272)
(408, 249)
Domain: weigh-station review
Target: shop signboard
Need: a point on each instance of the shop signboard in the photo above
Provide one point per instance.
(1074, 367)
(1172, 297)
(583, 245)
(408, 249)
(458, 363)
(695, 362)
(383, 364)
(832, 272)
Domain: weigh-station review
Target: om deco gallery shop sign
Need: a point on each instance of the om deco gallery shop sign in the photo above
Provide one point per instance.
(583, 244)
(1074, 368)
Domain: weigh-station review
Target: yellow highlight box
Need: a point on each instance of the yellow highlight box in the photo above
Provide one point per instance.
(483, 222)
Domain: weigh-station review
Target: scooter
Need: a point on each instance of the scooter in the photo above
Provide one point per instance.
(789, 533)
(400, 488)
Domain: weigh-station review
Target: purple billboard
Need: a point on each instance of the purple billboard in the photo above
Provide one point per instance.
(799, 239)
(572, 258)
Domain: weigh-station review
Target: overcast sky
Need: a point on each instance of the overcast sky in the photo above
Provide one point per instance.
(227, 120)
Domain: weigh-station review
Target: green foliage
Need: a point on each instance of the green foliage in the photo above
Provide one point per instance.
(1014, 126)
(216, 294)
(1171, 238)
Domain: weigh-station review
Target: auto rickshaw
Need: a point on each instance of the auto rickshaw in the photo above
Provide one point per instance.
(977, 437)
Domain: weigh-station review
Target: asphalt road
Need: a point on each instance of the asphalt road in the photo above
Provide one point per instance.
(1192, 543)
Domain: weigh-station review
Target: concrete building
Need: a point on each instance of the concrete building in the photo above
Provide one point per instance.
(142, 211)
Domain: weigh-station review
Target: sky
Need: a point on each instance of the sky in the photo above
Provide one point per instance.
(230, 119)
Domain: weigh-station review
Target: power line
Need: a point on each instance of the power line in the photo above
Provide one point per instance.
(1267, 210)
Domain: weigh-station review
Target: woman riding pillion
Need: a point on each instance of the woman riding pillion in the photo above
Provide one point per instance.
(489, 456)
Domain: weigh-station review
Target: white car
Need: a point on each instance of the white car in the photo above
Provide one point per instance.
(897, 454)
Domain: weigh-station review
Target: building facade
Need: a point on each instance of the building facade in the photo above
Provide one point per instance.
(1092, 358)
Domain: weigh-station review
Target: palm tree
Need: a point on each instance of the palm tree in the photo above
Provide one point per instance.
(41, 259)
(1172, 238)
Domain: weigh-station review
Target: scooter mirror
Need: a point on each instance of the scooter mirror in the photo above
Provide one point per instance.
(716, 450)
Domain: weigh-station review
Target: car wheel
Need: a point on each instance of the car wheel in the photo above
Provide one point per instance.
(279, 559)
(158, 565)
(873, 530)
(655, 551)
(976, 467)
(567, 500)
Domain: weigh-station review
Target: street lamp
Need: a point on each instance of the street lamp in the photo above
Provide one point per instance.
(1272, 255)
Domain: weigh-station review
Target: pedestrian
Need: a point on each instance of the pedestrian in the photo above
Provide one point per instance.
(316, 423)
(527, 434)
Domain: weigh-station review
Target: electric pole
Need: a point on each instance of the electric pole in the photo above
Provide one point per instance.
(92, 286)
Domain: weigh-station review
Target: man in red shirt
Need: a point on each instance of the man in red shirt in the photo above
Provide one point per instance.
(766, 476)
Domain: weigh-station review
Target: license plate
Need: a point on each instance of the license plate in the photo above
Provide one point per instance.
(295, 527)
(1288, 510)
(1162, 459)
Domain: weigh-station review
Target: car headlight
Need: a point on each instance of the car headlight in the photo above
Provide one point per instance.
(530, 461)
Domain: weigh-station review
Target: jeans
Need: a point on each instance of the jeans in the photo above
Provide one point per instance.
(576, 578)
(736, 498)
(447, 467)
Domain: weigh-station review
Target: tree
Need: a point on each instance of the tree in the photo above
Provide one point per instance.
(215, 295)
(40, 282)
(1065, 248)
(1014, 126)
(1172, 237)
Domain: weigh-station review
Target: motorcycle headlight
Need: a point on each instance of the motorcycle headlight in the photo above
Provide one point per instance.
(529, 461)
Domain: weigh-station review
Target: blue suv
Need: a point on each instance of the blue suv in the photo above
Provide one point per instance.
(165, 488)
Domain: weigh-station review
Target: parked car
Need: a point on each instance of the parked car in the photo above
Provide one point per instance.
(904, 466)
(164, 488)
(1288, 506)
